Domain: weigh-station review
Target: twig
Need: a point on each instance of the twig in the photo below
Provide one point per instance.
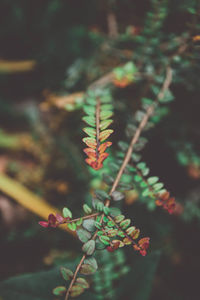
(126, 160)
(84, 218)
(97, 126)
(74, 277)
(137, 134)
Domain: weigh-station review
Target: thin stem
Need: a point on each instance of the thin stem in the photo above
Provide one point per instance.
(97, 125)
(75, 275)
(84, 218)
(126, 160)
(80, 264)
(137, 134)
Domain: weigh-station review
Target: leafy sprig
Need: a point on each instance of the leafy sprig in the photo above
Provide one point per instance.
(99, 111)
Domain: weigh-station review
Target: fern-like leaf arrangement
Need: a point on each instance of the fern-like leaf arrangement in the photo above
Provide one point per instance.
(99, 111)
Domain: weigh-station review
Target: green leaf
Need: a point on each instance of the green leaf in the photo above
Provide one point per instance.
(89, 225)
(106, 107)
(82, 282)
(67, 274)
(158, 186)
(136, 157)
(87, 269)
(143, 184)
(92, 262)
(90, 120)
(105, 239)
(110, 224)
(91, 101)
(59, 290)
(113, 166)
(90, 131)
(89, 247)
(123, 146)
(100, 206)
(98, 225)
(145, 171)
(152, 180)
(105, 123)
(147, 101)
(119, 218)
(137, 178)
(76, 290)
(105, 115)
(72, 226)
(101, 195)
(146, 192)
(111, 232)
(117, 196)
(89, 109)
(83, 235)
(87, 209)
(168, 97)
(120, 233)
(106, 210)
(108, 179)
(130, 230)
(67, 213)
(141, 165)
(79, 222)
(125, 223)
(115, 211)
(129, 67)
(99, 245)
(97, 204)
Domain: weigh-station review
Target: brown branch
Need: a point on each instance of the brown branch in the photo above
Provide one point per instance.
(127, 158)
(137, 134)
(74, 277)
(80, 264)
(84, 218)
(97, 126)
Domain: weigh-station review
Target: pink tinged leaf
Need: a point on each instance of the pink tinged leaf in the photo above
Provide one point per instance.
(97, 165)
(52, 220)
(44, 224)
(59, 218)
(104, 146)
(102, 157)
(90, 142)
(91, 153)
(105, 134)
(94, 164)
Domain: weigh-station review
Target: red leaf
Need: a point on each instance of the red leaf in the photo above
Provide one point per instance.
(44, 224)
(91, 153)
(102, 157)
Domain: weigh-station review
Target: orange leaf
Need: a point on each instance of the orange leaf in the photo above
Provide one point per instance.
(90, 152)
(102, 157)
(104, 146)
(90, 142)
(105, 134)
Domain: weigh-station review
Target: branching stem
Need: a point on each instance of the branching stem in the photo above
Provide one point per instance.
(84, 218)
(127, 158)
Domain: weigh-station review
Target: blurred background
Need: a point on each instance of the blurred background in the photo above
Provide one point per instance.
(50, 52)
